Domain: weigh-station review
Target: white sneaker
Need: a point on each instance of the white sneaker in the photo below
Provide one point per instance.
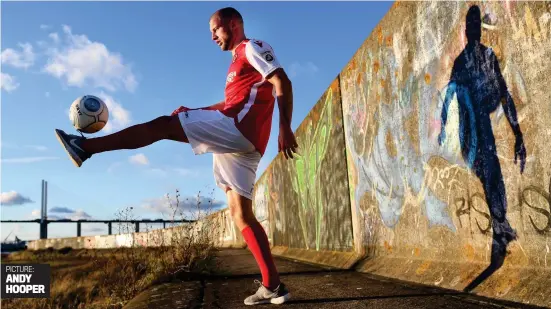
(264, 296)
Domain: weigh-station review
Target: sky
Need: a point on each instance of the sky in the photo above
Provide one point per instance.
(144, 59)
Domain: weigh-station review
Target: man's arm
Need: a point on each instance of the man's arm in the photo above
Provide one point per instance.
(284, 93)
(261, 56)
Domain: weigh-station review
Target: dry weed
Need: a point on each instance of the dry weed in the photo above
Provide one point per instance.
(108, 278)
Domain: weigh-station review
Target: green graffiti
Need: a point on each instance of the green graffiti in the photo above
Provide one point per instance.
(306, 170)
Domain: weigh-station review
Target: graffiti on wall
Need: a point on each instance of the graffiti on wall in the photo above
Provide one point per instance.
(435, 122)
(386, 132)
(306, 198)
(305, 171)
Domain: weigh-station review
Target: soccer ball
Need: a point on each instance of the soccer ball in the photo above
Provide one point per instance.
(88, 114)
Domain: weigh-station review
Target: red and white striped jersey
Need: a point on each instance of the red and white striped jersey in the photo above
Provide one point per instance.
(249, 97)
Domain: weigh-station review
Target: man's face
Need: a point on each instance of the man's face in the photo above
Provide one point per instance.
(222, 33)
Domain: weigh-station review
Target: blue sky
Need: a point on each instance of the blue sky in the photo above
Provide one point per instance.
(144, 59)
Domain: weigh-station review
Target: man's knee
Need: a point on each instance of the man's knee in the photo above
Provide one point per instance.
(240, 208)
(168, 127)
(236, 213)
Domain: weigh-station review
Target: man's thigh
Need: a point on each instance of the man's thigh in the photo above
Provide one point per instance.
(236, 171)
(211, 131)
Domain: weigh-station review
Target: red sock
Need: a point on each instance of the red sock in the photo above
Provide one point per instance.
(257, 241)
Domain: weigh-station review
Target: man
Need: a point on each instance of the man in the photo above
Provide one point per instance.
(480, 87)
(235, 130)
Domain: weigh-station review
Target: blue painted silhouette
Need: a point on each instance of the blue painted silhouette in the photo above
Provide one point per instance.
(479, 87)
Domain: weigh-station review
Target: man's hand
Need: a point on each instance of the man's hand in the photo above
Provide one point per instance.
(287, 142)
(180, 110)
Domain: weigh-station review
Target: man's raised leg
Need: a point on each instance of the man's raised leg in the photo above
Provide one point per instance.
(80, 148)
(272, 289)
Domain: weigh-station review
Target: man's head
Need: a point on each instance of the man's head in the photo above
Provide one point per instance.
(473, 24)
(226, 26)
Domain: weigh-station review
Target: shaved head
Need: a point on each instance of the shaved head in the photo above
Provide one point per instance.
(227, 14)
(226, 26)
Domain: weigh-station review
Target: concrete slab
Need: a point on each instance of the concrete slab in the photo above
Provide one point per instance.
(311, 287)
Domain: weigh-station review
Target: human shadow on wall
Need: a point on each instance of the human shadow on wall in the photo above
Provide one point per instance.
(479, 86)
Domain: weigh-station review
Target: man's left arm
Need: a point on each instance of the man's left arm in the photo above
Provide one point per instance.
(284, 92)
(263, 59)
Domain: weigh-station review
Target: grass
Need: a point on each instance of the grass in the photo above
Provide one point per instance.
(109, 278)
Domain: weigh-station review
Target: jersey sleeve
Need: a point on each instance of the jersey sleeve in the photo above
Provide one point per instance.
(261, 56)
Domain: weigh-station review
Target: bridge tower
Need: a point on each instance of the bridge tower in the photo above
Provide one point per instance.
(43, 211)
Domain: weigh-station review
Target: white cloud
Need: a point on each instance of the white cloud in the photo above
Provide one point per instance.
(14, 146)
(54, 36)
(79, 215)
(187, 172)
(112, 167)
(44, 27)
(54, 217)
(139, 159)
(3, 144)
(297, 68)
(60, 213)
(22, 60)
(119, 117)
(187, 205)
(13, 198)
(7, 82)
(82, 62)
(28, 159)
(157, 172)
(62, 210)
(37, 147)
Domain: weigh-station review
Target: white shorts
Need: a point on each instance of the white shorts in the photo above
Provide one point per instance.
(235, 159)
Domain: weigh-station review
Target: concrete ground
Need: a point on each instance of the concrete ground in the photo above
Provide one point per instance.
(311, 287)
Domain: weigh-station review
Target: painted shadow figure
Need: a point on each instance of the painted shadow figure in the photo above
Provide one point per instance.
(479, 86)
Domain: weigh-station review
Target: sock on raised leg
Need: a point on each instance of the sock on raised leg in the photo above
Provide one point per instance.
(257, 241)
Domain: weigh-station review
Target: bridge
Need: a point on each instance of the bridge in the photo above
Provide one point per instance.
(44, 221)
(108, 222)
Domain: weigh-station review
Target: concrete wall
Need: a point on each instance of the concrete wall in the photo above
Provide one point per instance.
(420, 211)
